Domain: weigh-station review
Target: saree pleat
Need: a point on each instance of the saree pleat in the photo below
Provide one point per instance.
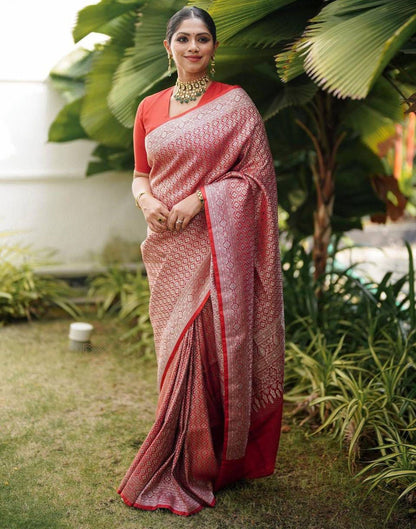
(178, 462)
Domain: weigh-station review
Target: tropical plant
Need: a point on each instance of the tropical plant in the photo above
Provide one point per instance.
(326, 149)
(120, 292)
(25, 293)
(351, 364)
(396, 467)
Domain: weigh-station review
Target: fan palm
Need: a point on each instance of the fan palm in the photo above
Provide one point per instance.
(359, 51)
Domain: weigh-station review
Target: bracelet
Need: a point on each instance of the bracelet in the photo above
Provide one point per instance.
(137, 199)
(200, 196)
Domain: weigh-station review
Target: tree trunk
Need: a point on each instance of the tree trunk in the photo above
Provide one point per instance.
(322, 228)
(326, 144)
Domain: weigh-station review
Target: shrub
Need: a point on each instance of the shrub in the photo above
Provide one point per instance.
(126, 295)
(25, 294)
(351, 364)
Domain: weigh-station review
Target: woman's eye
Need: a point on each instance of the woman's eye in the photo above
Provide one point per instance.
(181, 39)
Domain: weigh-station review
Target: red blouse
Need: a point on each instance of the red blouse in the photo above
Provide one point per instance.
(153, 111)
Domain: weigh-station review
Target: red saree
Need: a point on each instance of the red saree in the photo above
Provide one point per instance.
(216, 309)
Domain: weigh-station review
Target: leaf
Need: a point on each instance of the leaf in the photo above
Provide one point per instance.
(412, 298)
(231, 19)
(280, 26)
(104, 17)
(375, 117)
(143, 64)
(96, 117)
(67, 126)
(75, 65)
(202, 4)
(386, 185)
(297, 93)
(68, 76)
(110, 159)
(289, 63)
(350, 42)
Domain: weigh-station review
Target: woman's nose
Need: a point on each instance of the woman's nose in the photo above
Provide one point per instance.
(193, 45)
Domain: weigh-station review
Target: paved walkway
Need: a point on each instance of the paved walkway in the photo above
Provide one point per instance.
(381, 248)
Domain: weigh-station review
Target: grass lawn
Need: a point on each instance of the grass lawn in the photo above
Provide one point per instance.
(71, 423)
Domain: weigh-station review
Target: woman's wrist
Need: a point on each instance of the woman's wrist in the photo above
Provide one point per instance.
(139, 196)
(200, 198)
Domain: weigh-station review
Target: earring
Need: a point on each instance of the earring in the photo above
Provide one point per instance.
(212, 70)
(169, 64)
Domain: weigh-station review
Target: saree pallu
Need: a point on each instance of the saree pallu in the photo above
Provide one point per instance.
(216, 309)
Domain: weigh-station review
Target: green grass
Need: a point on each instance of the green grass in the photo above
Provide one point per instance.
(71, 423)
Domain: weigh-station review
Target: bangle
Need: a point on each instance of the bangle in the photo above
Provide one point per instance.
(137, 199)
(200, 196)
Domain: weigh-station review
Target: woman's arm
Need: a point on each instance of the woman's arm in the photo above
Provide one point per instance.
(154, 211)
(140, 185)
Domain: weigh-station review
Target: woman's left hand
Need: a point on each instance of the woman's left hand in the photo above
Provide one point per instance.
(183, 212)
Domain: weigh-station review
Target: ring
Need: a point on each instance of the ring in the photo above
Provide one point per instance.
(179, 221)
(160, 219)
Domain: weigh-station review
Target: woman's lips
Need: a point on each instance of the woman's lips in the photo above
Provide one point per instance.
(193, 59)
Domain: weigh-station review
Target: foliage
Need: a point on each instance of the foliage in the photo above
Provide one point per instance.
(397, 464)
(350, 358)
(24, 293)
(125, 294)
(351, 364)
(72, 422)
(381, 28)
(327, 149)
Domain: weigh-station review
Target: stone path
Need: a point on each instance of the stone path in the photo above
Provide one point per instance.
(381, 248)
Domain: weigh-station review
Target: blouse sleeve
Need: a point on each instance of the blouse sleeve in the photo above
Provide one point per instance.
(139, 133)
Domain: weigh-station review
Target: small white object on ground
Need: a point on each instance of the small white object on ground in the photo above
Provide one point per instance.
(79, 336)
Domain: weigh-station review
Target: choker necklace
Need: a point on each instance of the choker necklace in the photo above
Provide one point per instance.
(187, 91)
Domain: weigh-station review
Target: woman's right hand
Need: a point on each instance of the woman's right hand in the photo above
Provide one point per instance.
(155, 212)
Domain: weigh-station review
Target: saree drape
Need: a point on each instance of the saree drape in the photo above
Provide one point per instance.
(216, 309)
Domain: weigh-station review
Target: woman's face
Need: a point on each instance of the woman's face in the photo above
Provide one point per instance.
(192, 47)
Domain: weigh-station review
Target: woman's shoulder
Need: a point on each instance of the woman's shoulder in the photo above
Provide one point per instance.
(155, 98)
(238, 96)
(218, 89)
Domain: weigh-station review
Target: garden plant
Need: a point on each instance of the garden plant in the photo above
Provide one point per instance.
(330, 113)
(350, 359)
(329, 109)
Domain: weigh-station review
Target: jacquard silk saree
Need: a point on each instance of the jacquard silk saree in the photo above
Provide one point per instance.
(216, 309)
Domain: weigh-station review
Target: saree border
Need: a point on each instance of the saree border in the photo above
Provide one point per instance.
(222, 323)
(163, 506)
(174, 350)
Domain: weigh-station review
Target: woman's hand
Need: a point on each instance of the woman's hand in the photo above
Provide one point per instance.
(155, 212)
(183, 212)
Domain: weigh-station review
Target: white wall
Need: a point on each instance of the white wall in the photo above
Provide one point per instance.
(43, 191)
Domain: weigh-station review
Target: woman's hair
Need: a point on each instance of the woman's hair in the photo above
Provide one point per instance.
(190, 12)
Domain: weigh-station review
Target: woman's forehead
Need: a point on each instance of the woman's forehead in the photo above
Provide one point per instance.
(192, 26)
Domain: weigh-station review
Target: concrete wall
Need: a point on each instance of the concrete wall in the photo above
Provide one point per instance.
(44, 194)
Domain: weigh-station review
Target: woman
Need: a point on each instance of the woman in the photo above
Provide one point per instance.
(205, 182)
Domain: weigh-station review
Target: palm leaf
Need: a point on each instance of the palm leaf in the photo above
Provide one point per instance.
(375, 117)
(289, 63)
(243, 64)
(106, 17)
(350, 42)
(279, 26)
(299, 92)
(110, 159)
(143, 64)
(202, 4)
(66, 126)
(231, 19)
(68, 76)
(96, 117)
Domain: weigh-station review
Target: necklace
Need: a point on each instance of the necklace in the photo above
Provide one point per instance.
(187, 91)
